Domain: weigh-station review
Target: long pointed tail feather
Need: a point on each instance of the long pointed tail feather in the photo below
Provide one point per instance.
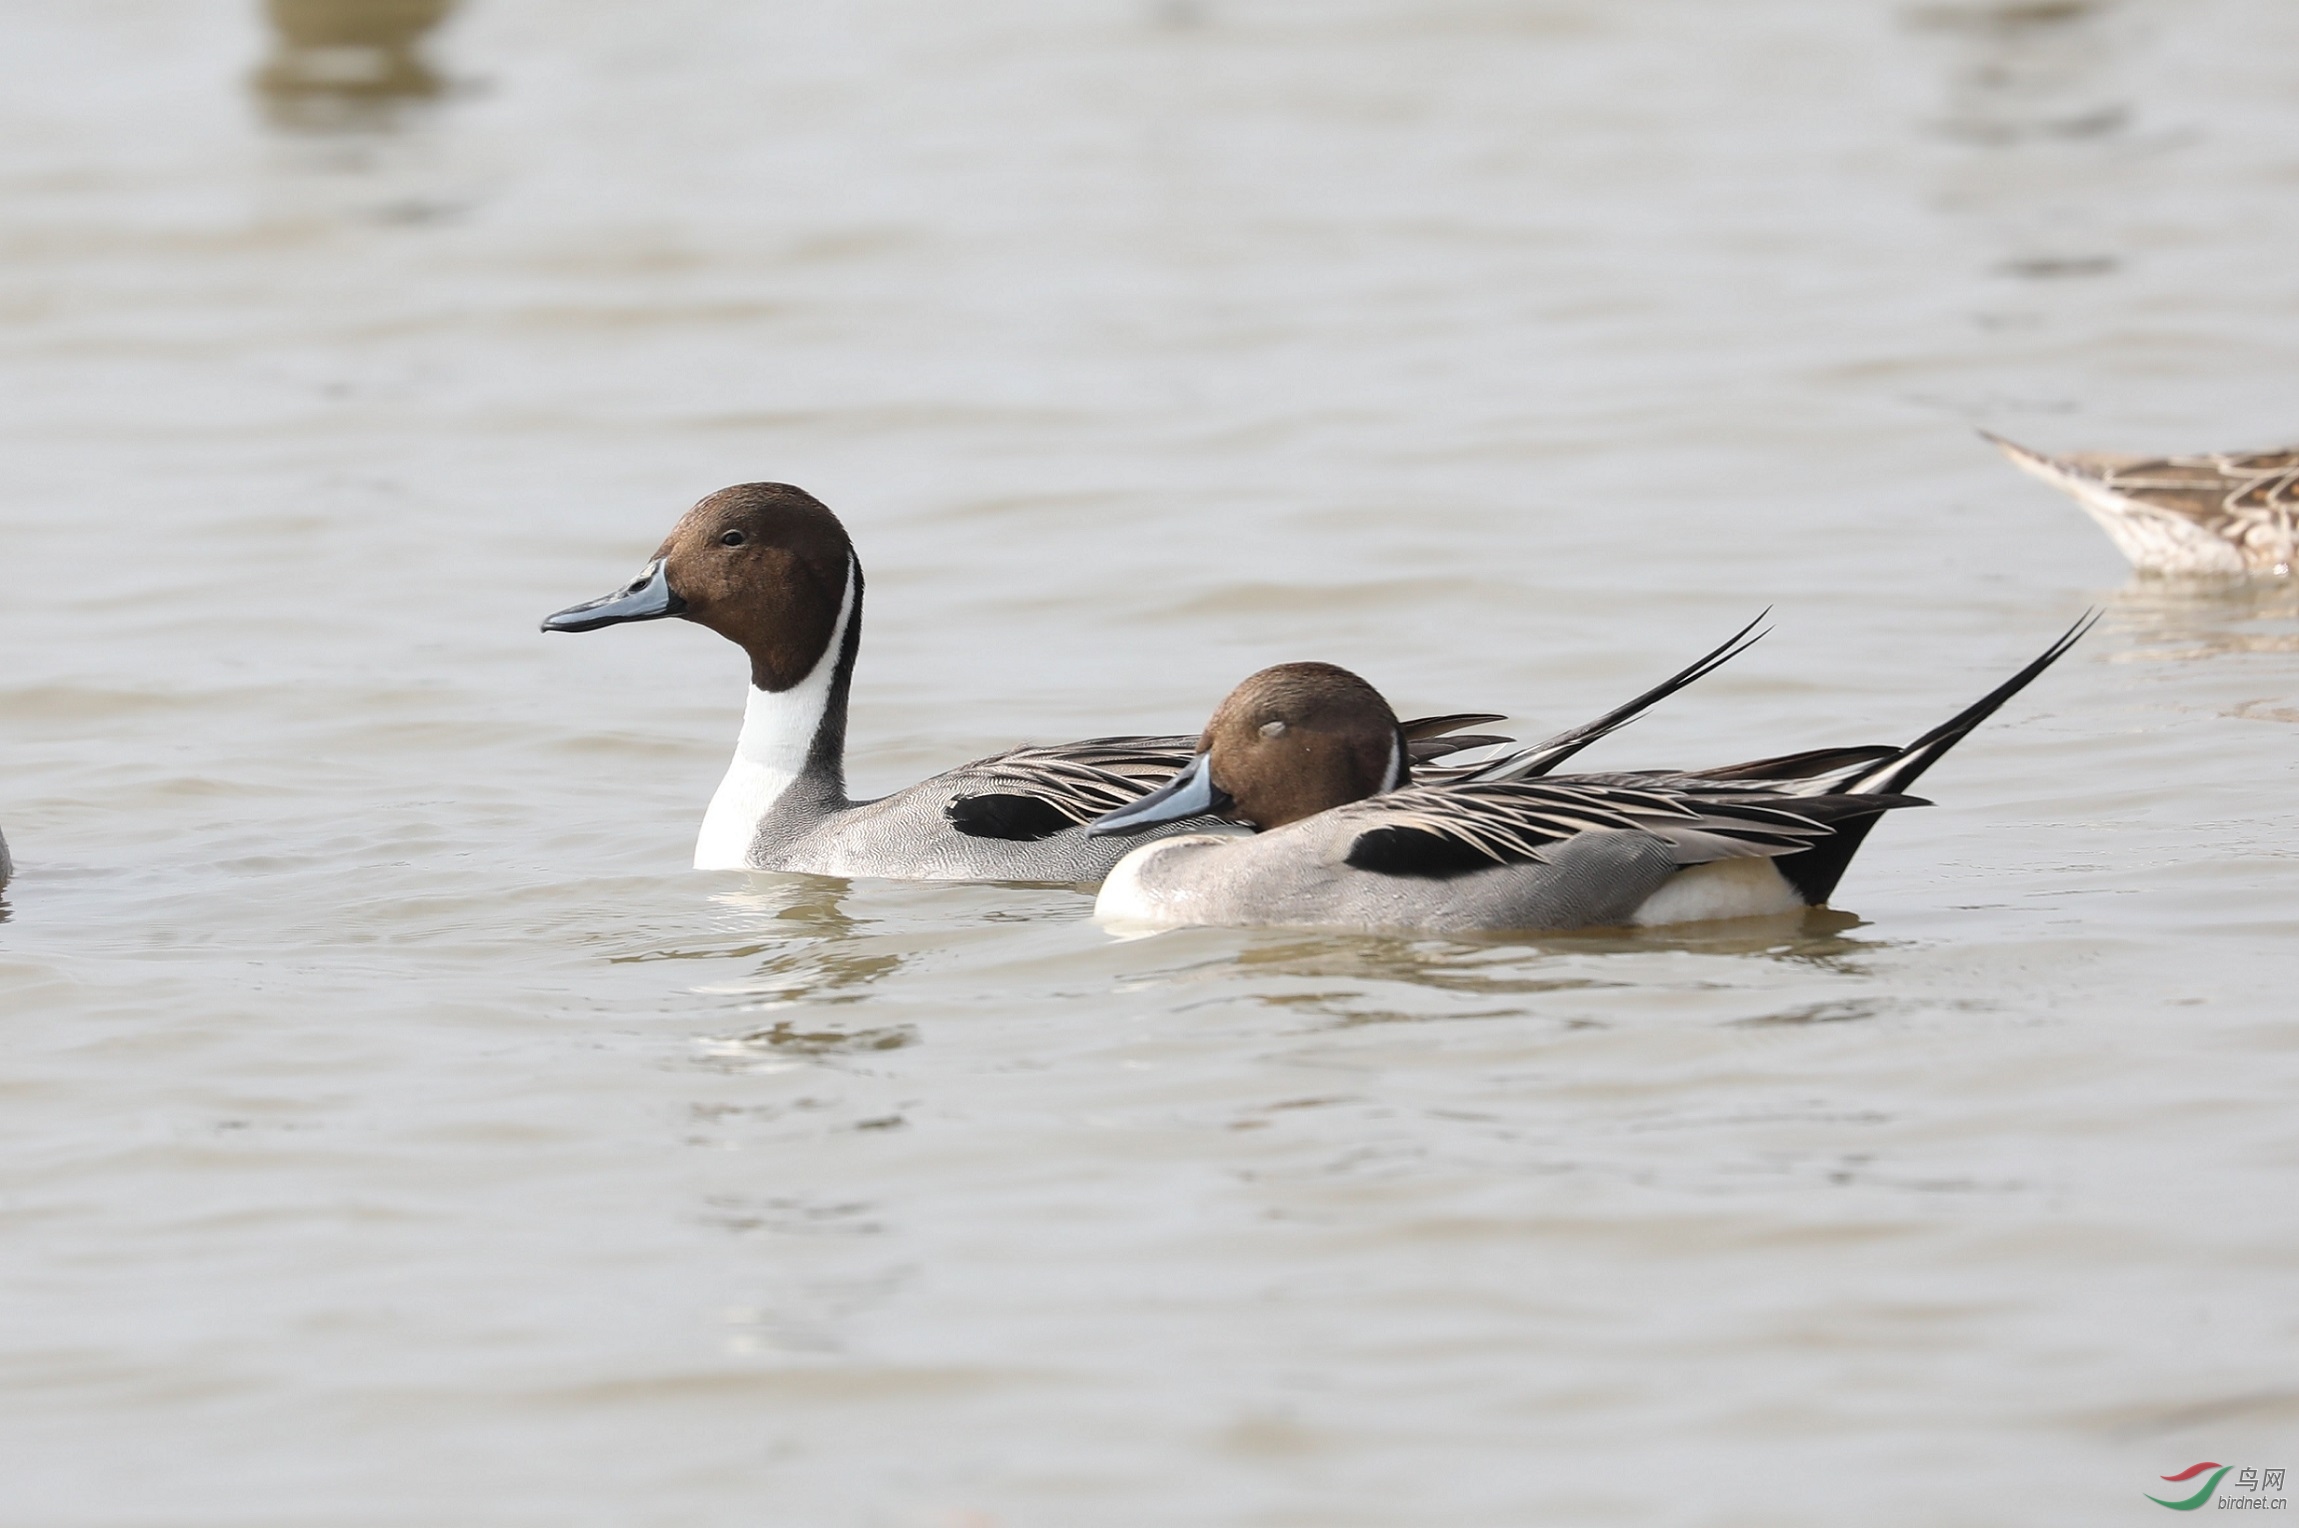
(1814, 872)
(1899, 771)
(1437, 726)
(1543, 757)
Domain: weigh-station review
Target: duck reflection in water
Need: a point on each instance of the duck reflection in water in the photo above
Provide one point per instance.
(2038, 97)
(2029, 71)
(816, 953)
(1514, 963)
(2172, 619)
(813, 947)
(340, 65)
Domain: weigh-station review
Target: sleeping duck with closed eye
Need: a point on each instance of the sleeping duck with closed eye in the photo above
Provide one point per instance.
(1311, 757)
(771, 569)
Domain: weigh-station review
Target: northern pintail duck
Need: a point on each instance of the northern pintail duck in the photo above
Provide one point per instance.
(768, 567)
(1311, 756)
(2228, 512)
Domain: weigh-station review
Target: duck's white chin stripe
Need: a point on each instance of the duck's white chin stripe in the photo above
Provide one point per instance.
(778, 728)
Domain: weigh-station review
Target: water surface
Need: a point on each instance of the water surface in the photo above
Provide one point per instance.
(395, 1130)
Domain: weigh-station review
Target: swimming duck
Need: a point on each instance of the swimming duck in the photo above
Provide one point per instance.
(2228, 512)
(1311, 757)
(7, 868)
(771, 569)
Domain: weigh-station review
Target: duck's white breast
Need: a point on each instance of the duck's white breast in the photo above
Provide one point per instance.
(1135, 896)
(778, 729)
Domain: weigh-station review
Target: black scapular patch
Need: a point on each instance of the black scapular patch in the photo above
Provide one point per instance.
(1024, 819)
(1415, 852)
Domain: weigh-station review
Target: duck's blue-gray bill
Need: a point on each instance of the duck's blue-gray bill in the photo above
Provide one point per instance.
(1191, 793)
(646, 598)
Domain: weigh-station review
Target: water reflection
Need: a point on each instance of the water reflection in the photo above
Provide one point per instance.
(1466, 962)
(1854, 1011)
(1351, 980)
(809, 951)
(348, 65)
(817, 1040)
(1813, 936)
(813, 949)
(2037, 90)
(2186, 620)
(2023, 72)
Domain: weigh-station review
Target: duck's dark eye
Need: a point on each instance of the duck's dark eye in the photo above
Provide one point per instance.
(732, 538)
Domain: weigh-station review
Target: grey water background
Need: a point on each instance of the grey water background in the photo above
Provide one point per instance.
(395, 1131)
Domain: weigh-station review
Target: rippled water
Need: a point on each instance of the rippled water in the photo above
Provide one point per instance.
(397, 1133)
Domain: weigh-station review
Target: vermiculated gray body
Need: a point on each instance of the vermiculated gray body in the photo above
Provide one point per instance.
(908, 836)
(1298, 876)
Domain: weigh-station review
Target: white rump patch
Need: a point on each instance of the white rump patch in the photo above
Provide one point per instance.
(1735, 888)
(777, 730)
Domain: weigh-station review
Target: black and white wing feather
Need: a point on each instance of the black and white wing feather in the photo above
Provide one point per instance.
(1451, 829)
(1036, 791)
(1818, 781)
(1544, 757)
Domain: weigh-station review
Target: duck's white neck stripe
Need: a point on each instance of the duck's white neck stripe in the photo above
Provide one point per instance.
(778, 729)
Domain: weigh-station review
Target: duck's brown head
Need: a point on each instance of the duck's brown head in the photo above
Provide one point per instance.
(764, 565)
(1288, 743)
